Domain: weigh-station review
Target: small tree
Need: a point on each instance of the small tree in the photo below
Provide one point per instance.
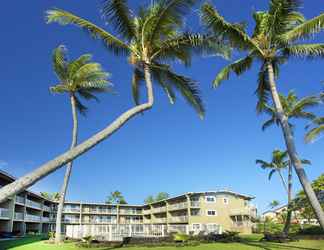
(116, 197)
(149, 199)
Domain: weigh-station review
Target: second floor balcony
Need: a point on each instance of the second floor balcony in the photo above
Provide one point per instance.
(20, 199)
(249, 211)
(177, 206)
(33, 204)
(71, 210)
(179, 219)
(4, 213)
(32, 218)
(19, 216)
(159, 209)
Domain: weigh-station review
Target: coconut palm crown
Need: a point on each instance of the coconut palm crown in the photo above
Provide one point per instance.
(154, 38)
(274, 40)
(293, 108)
(80, 77)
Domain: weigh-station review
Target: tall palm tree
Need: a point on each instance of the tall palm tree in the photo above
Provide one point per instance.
(293, 108)
(79, 78)
(279, 162)
(272, 43)
(152, 40)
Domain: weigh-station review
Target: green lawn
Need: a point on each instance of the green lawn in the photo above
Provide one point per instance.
(251, 243)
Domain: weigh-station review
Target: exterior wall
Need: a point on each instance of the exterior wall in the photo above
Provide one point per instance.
(29, 212)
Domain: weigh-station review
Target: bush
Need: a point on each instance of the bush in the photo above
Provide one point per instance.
(311, 230)
(227, 236)
(179, 237)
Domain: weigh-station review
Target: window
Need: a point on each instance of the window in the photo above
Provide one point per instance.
(196, 227)
(226, 201)
(195, 212)
(210, 199)
(211, 213)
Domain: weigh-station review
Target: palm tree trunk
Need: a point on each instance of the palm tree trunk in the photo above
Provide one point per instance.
(289, 208)
(290, 144)
(283, 180)
(29, 179)
(58, 233)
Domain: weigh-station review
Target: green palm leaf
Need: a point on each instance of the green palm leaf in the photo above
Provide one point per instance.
(117, 13)
(111, 42)
(309, 51)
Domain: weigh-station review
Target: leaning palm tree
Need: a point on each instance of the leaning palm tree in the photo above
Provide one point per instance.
(79, 78)
(279, 162)
(272, 43)
(152, 40)
(293, 108)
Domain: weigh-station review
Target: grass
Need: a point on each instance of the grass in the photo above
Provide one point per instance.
(250, 243)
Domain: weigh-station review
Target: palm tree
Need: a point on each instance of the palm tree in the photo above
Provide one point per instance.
(116, 197)
(274, 204)
(279, 162)
(51, 196)
(151, 40)
(292, 107)
(79, 78)
(272, 43)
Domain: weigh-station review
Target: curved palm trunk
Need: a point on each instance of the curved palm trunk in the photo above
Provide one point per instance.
(52, 165)
(289, 208)
(58, 233)
(290, 144)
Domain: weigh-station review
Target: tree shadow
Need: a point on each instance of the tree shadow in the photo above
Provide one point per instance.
(12, 243)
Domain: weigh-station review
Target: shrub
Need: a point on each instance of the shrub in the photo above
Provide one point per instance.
(311, 230)
(179, 237)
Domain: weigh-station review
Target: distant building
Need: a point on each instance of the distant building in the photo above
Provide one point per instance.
(191, 213)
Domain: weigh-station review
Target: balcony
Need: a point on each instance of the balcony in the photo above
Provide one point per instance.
(160, 220)
(45, 219)
(244, 211)
(71, 220)
(178, 206)
(47, 208)
(99, 211)
(4, 213)
(32, 218)
(19, 216)
(147, 211)
(33, 204)
(20, 200)
(179, 219)
(99, 221)
(130, 211)
(159, 210)
(195, 204)
(71, 210)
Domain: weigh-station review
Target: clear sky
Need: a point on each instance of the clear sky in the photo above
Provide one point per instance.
(168, 148)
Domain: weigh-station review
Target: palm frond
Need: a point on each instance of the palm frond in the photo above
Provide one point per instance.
(305, 30)
(80, 107)
(186, 86)
(234, 32)
(238, 67)
(111, 42)
(268, 124)
(75, 65)
(60, 88)
(262, 91)
(59, 59)
(158, 77)
(309, 51)
(315, 132)
(271, 174)
(166, 14)
(306, 162)
(119, 15)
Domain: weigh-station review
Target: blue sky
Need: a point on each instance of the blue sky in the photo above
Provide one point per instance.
(168, 148)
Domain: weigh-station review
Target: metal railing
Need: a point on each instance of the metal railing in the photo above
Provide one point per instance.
(183, 218)
(46, 208)
(159, 209)
(34, 218)
(71, 210)
(4, 212)
(33, 204)
(99, 211)
(19, 216)
(130, 211)
(160, 220)
(20, 199)
(176, 206)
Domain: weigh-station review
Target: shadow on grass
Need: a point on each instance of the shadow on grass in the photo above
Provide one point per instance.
(271, 246)
(11, 243)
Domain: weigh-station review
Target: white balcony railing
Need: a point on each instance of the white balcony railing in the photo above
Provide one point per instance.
(250, 211)
(71, 210)
(4, 213)
(99, 211)
(147, 211)
(45, 219)
(181, 219)
(176, 206)
(130, 211)
(159, 209)
(160, 220)
(20, 199)
(46, 208)
(19, 216)
(33, 218)
(195, 204)
(33, 204)
(74, 220)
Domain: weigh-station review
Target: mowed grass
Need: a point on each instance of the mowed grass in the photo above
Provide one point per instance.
(250, 243)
